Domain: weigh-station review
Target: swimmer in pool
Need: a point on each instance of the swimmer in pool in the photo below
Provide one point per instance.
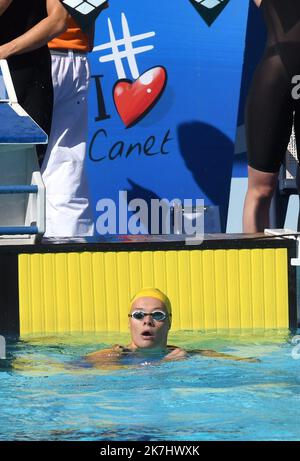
(150, 318)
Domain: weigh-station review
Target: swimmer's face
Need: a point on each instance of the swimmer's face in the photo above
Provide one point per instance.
(148, 333)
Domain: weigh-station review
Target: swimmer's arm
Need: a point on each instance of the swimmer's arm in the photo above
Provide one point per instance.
(221, 355)
(179, 354)
(51, 26)
(4, 4)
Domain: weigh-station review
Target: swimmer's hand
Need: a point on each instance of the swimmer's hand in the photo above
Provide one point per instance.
(176, 354)
(107, 355)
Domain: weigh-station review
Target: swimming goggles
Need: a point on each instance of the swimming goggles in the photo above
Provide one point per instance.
(158, 316)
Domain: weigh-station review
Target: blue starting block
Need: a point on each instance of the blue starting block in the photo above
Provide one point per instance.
(22, 192)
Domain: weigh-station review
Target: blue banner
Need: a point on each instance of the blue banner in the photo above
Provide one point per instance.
(164, 100)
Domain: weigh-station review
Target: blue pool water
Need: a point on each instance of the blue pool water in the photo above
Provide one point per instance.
(46, 392)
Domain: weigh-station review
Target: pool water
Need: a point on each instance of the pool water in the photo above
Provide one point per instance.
(47, 392)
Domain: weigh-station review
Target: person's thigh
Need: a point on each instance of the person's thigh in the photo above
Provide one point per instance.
(269, 116)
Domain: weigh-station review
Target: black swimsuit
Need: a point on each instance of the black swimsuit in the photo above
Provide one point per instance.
(270, 107)
(31, 72)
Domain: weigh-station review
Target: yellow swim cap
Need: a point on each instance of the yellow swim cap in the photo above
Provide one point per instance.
(153, 293)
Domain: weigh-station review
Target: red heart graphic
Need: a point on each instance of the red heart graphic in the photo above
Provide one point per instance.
(134, 99)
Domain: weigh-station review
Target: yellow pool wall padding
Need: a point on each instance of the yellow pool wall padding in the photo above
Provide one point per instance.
(209, 289)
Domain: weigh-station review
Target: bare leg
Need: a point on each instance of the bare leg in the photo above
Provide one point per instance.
(260, 191)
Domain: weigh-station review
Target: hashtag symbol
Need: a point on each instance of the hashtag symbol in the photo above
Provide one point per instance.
(84, 7)
(129, 51)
